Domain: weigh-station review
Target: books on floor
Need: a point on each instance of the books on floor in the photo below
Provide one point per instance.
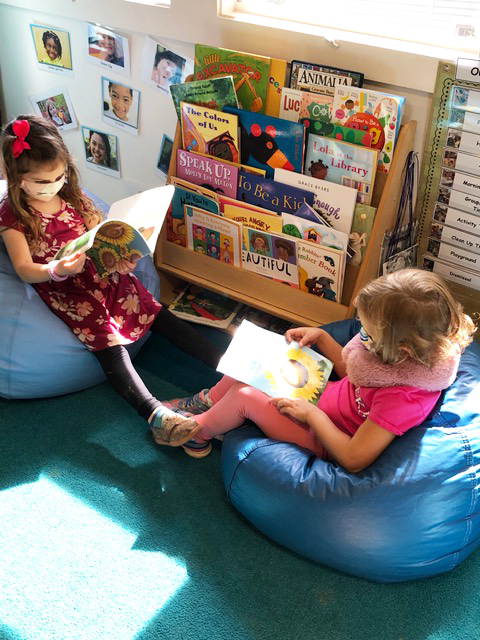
(204, 307)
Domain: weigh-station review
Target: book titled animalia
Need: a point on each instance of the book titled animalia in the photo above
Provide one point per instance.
(334, 202)
(265, 360)
(208, 172)
(320, 270)
(213, 236)
(378, 113)
(250, 73)
(214, 133)
(318, 78)
(336, 131)
(342, 163)
(191, 194)
(269, 254)
(129, 233)
(214, 93)
(270, 194)
(268, 142)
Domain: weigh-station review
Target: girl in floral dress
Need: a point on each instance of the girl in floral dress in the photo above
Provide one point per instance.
(43, 210)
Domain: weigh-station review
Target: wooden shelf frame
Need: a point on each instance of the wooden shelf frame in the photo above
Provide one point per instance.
(176, 264)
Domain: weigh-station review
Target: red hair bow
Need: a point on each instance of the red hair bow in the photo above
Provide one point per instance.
(21, 129)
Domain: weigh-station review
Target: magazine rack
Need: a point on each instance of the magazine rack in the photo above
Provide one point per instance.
(176, 264)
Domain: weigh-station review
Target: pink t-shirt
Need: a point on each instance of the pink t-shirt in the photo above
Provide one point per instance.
(396, 409)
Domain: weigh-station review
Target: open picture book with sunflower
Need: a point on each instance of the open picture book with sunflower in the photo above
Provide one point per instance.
(265, 360)
(129, 232)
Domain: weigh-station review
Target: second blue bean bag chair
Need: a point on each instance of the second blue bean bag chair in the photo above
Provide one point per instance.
(413, 513)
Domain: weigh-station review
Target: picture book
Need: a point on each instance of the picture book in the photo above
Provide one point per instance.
(276, 81)
(268, 142)
(250, 73)
(334, 202)
(208, 172)
(260, 319)
(243, 167)
(290, 104)
(362, 224)
(308, 213)
(457, 219)
(129, 232)
(321, 78)
(193, 195)
(271, 194)
(214, 93)
(343, 163)
(296, 105)
(201, 306)
(450, 272)
(317, 232)
(208, 131)
(373, 111)
(336, 131)
(269, 254)
(266, 361)
(320, 270)
(268, 221)
(213, 236)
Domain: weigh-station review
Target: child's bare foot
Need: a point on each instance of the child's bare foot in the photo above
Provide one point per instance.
(172, 429)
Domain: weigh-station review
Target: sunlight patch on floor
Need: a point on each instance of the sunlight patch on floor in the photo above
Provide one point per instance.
(67, 571)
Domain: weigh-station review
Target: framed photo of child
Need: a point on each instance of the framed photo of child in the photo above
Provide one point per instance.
(55, 105)
(164, 156)
(106, 48)
(52, 49)
(101, 151)
(121, 105)
(162, 67)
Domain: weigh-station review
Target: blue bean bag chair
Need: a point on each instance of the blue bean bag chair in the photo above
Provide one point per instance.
(413, 513)
(39, 355)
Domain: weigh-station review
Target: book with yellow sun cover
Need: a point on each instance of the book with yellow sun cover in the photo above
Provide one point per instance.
(266, 361)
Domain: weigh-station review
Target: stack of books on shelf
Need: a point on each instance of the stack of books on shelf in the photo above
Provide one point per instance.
(279, 179)
(453, 246)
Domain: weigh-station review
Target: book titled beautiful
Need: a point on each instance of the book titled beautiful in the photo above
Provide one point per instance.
(376, 112)
(250, 73)
(214, 133)
(270, 194)
(271, 255)
(214, 93)
(213, 236)
(267, 142)
(129, 233)
(343, 163)
(265, 360)
(334, 202)
(207, 172)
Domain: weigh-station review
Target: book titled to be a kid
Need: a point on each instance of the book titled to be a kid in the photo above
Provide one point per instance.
(129, 233)
(266, 361)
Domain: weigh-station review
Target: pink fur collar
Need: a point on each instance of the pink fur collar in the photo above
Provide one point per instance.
(366, 369)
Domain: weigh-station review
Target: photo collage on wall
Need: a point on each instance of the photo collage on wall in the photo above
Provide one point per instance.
(118, 100)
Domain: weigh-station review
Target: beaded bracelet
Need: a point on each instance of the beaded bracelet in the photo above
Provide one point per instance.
(51, 272)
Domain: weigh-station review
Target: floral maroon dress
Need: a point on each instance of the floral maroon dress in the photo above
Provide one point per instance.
(116, 310)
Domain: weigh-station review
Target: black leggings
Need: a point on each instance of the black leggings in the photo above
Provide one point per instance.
(120, 372)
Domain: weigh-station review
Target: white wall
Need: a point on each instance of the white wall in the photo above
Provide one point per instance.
(187, 22)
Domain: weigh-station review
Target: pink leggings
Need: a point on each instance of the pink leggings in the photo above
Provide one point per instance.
(234, 402)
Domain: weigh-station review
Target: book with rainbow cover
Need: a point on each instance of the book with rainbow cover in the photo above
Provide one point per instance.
(265, 360)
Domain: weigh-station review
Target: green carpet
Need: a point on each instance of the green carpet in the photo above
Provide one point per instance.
(104, 535)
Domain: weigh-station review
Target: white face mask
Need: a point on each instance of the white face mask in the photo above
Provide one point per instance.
(43, 192)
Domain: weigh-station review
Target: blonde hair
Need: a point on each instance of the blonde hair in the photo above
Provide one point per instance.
(46, 148)
(414, 313)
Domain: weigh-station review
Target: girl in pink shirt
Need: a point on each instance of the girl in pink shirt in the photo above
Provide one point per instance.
(391, 376)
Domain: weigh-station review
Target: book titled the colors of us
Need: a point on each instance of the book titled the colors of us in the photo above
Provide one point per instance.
(250, 73)
(214, 93)
(129, 233)
(208, 131)
(266, 361)
(343, 163)
(213, 236)
(207, 172)
(268, 142)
